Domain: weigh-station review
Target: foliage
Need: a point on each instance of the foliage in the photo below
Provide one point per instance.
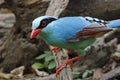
(48, 61)
(76, 74)
(84, 74)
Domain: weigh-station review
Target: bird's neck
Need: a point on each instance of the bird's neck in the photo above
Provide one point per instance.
(44, 34)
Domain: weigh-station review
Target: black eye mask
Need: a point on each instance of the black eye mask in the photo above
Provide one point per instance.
(45, 22)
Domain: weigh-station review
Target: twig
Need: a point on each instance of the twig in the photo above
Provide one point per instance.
(113, 73)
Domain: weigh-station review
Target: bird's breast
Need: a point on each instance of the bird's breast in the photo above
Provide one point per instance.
(52, 38)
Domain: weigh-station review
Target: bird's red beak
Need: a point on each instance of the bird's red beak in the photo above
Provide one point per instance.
(34, 33)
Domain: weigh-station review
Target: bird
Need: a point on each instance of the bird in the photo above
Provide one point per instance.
(72, 32)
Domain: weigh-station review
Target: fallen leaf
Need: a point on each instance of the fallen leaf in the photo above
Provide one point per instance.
(40, 73)
(118, 48)
(6, 75)
(113, 65)
(18, 71)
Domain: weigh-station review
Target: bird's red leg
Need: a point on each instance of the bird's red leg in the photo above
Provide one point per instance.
(70, 51)
(59, 68)
(54, 49)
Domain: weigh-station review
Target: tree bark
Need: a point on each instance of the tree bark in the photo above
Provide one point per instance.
(56, 7)
(113, 73)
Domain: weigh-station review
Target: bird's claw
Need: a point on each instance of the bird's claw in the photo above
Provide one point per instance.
(54, 49)
(61, 67)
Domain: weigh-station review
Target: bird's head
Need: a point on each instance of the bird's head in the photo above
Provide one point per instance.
(39, 23)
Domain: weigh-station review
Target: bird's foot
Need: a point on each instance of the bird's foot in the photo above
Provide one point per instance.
(70, 51)
(59, 68)
(54, 49)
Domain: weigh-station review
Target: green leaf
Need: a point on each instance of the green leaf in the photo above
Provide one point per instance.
(46, 64)
(78, 79)
(116, 54)
(38, 65)
(48, 58)
(47, 52)
(90, 71)
(85, 74)
(75, 72)
(51, 65)
(41, 56)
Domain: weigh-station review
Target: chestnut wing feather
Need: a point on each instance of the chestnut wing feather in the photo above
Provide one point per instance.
(88, 32)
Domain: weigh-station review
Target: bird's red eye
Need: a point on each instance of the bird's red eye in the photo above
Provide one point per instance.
(43, 23)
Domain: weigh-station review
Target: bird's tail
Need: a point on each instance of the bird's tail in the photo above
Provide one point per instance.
(114, 23)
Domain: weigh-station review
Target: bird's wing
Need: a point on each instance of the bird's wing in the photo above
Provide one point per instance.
(91, 31)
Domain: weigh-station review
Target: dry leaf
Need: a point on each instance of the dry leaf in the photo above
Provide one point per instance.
(6, 76)
(18, 71)
(97, 74)
(40, 73)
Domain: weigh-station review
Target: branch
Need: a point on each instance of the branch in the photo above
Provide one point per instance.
(98, 53)
(60, 57)
(113, 73)
(55, 8)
